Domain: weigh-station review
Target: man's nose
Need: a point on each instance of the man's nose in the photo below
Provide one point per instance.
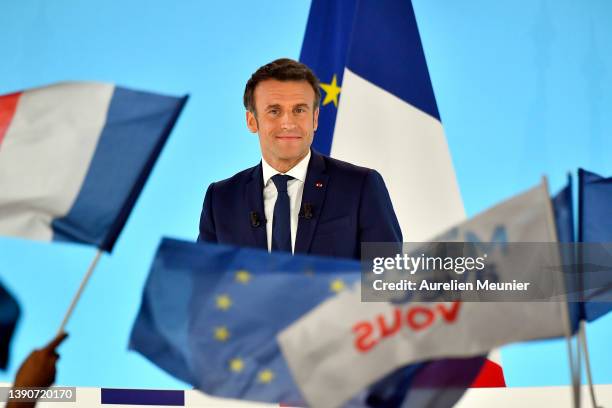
(287, 120)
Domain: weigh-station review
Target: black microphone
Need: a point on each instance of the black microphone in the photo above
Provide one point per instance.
(307, 211)
(255, 219)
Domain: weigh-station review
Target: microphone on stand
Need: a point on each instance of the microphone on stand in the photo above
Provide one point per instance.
(307, 211)
(255, 219)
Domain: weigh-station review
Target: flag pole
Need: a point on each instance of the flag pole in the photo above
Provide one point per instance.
(575, 371)
(78, 293)
(587, 362)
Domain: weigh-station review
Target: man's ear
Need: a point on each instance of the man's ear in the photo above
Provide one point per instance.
(251, 121)
(315, 119)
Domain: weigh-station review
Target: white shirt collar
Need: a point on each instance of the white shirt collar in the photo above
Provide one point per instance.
(297, 172)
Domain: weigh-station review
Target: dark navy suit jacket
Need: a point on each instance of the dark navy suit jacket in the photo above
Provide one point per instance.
(342, 206)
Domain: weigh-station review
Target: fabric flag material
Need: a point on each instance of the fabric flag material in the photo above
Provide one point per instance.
(74, 157)
(210, 315)
(9, 315)
(378, 110)
(564, 213)
(564, 220)
(317, 345)
(595, 226)
(379, 105)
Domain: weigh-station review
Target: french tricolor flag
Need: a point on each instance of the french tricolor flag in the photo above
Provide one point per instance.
(379, 110)
(74, 157)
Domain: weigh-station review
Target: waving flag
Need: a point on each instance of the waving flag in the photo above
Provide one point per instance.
(75, 156)
(378, 107)
(210, 315)
(9, 314)
(595, 226)
(375, 338)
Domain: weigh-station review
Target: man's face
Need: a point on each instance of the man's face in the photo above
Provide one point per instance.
(285, 120)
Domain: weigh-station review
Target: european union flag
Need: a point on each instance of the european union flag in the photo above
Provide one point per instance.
(9, 314)
(595, 226)
(210, 314)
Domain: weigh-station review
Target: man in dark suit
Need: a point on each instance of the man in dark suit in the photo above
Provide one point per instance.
(296, 199)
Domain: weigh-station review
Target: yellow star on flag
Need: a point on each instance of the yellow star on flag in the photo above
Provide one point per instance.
(236, 365)
(223, 302)
(221, 333)
(243, 276)
(337, 285)
(332, 90)
(265, 376)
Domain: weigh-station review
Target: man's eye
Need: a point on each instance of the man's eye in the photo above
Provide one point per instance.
(273, 112)
(300, 110)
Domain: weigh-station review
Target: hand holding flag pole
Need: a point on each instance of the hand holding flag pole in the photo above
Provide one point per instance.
(107, 138)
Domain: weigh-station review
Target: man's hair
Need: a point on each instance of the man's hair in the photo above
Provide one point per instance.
(282, 69)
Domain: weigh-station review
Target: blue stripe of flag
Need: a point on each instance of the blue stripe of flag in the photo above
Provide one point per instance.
(386, 50)
(377, 40)
(324, 50)
(136, 129)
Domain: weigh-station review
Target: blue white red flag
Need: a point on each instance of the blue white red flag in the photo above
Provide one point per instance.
(74, 157)
(378, 107)
(379, 110)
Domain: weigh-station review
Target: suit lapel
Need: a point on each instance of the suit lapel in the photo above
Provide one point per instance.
(254, 198)
(315, 187)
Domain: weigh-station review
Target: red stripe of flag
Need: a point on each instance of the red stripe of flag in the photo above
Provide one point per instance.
(8, 105)
(491, 375)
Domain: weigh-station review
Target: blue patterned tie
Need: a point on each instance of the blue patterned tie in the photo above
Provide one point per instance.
(281, 224)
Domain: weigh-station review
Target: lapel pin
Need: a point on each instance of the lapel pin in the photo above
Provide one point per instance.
(318, 184)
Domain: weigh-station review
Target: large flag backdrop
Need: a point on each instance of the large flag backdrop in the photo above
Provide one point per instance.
(379, 109)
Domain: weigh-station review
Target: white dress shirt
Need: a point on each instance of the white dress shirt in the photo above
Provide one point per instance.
(295, 189)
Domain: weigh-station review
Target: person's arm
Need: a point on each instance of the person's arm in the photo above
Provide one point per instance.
(377, 220)
(207, 223)
(37, 370)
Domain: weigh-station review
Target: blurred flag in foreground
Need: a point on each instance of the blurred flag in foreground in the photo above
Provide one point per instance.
(9, 314)
(595, 226)
(74, 157)
(374, 338)
(210, 315)
(378, 107)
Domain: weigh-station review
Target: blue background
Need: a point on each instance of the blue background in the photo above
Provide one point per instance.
(522, 89)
